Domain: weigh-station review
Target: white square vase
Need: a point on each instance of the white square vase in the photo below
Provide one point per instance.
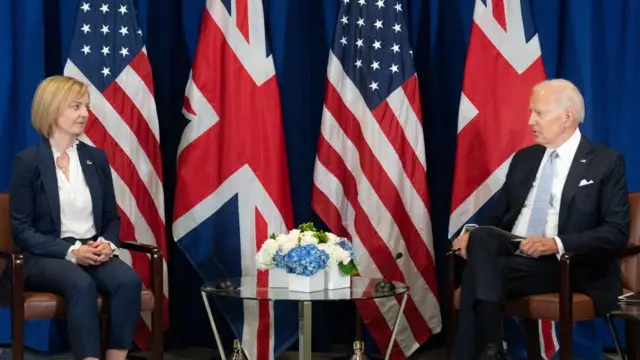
(278, 278)
(301, 283)
(335, 279)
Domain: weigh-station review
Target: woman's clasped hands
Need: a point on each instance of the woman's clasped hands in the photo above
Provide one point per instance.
(93, 253)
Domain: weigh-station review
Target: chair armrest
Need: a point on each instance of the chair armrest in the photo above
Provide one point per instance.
(566, 294)
(138, 247)
(16, 260)
(600, 254)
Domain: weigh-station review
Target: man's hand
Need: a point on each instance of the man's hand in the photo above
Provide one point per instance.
(461, 243)
(537, 246)
(103, 248)
(86, 255)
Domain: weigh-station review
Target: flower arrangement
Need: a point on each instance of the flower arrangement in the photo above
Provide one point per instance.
(305, 251)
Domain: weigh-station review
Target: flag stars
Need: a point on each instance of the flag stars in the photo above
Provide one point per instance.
(343, 41)
(86, 49)
(380, 4)
(139, 32)
(394, 68)
(374, 85)
(85, 28)
(411, 53)
(105, 71)
(377, 44)
(123, 30)
(123, 9)
(359, 43)
(358, 63)
(124, 51)
(104, 8)
(378, 24)
(345, 1)
(375, 65)
(360, 22)
(344, 20)
(85, 7)
(362, 2)
(105, 29)
(395, 48)
(396, 27)
(398, 7)
(105, 50)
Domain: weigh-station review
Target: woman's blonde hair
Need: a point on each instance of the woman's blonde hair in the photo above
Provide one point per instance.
(51, 96)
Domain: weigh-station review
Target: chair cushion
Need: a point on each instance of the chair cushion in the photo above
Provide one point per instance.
(545, 307)
(42, 305)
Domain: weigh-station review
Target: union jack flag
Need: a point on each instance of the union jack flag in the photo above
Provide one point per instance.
(370, 175)
(108, 53)
(503, 64)
(232, 179)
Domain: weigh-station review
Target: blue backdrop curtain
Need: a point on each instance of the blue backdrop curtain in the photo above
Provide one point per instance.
(590, 42)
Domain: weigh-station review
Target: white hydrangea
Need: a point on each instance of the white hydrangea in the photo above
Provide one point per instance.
(264, 257)
(336, 253)
(307, 237)
(332, 238)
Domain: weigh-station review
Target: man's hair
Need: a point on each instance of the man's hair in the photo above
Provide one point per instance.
(567, 96)
(51, 96)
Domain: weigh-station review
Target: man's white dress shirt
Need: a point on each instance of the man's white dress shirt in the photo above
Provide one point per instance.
(76, 207)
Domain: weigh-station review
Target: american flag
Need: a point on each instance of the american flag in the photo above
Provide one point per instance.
(108, 53)
(370, 175)
(503, 64)
(233, 183)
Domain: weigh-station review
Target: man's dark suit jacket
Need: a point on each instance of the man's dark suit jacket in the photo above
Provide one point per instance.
(34, 200)
(592, 217)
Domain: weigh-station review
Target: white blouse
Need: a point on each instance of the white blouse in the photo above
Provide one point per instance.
(76, 211)
(76, 206)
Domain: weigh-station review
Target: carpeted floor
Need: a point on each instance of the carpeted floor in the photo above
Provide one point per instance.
(207, 354)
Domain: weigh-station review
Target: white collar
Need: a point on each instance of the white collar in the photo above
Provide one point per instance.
(568, 149)
(69, 150)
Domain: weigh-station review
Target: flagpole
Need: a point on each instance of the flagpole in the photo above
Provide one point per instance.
(358, 326)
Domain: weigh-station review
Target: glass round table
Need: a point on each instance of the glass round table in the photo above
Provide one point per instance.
(362, 288)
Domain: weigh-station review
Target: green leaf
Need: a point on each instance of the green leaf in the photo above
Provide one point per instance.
(308, 226)
(321, 236)
(272, 236)
(348, 269)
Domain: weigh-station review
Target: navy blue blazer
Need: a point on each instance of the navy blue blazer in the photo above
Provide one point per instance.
(34, 201)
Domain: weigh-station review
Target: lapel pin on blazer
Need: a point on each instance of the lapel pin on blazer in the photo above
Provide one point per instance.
(89, 162)
(583, 160)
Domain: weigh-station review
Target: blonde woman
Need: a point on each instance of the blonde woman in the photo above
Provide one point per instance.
(64, 220)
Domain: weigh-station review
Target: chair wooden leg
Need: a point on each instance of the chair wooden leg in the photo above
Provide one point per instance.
(632, 333)
(156, 334)
(451, 330)
(566, 340)
(104, 334)
(17, 334)
(532, 339)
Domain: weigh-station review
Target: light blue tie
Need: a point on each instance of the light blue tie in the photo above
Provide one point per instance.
(542, 200)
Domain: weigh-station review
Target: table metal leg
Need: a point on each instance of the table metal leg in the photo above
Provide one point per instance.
(394, 332)
(304, 330)
(615, 337)
(223, 356)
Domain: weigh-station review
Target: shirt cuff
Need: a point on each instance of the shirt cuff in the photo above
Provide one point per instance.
(70, 256)
(467, 228)
(113, 247)
(560, 247)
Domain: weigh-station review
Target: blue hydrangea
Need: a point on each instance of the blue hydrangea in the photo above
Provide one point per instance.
(346, 244)
(305, 260)
(278, 259)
